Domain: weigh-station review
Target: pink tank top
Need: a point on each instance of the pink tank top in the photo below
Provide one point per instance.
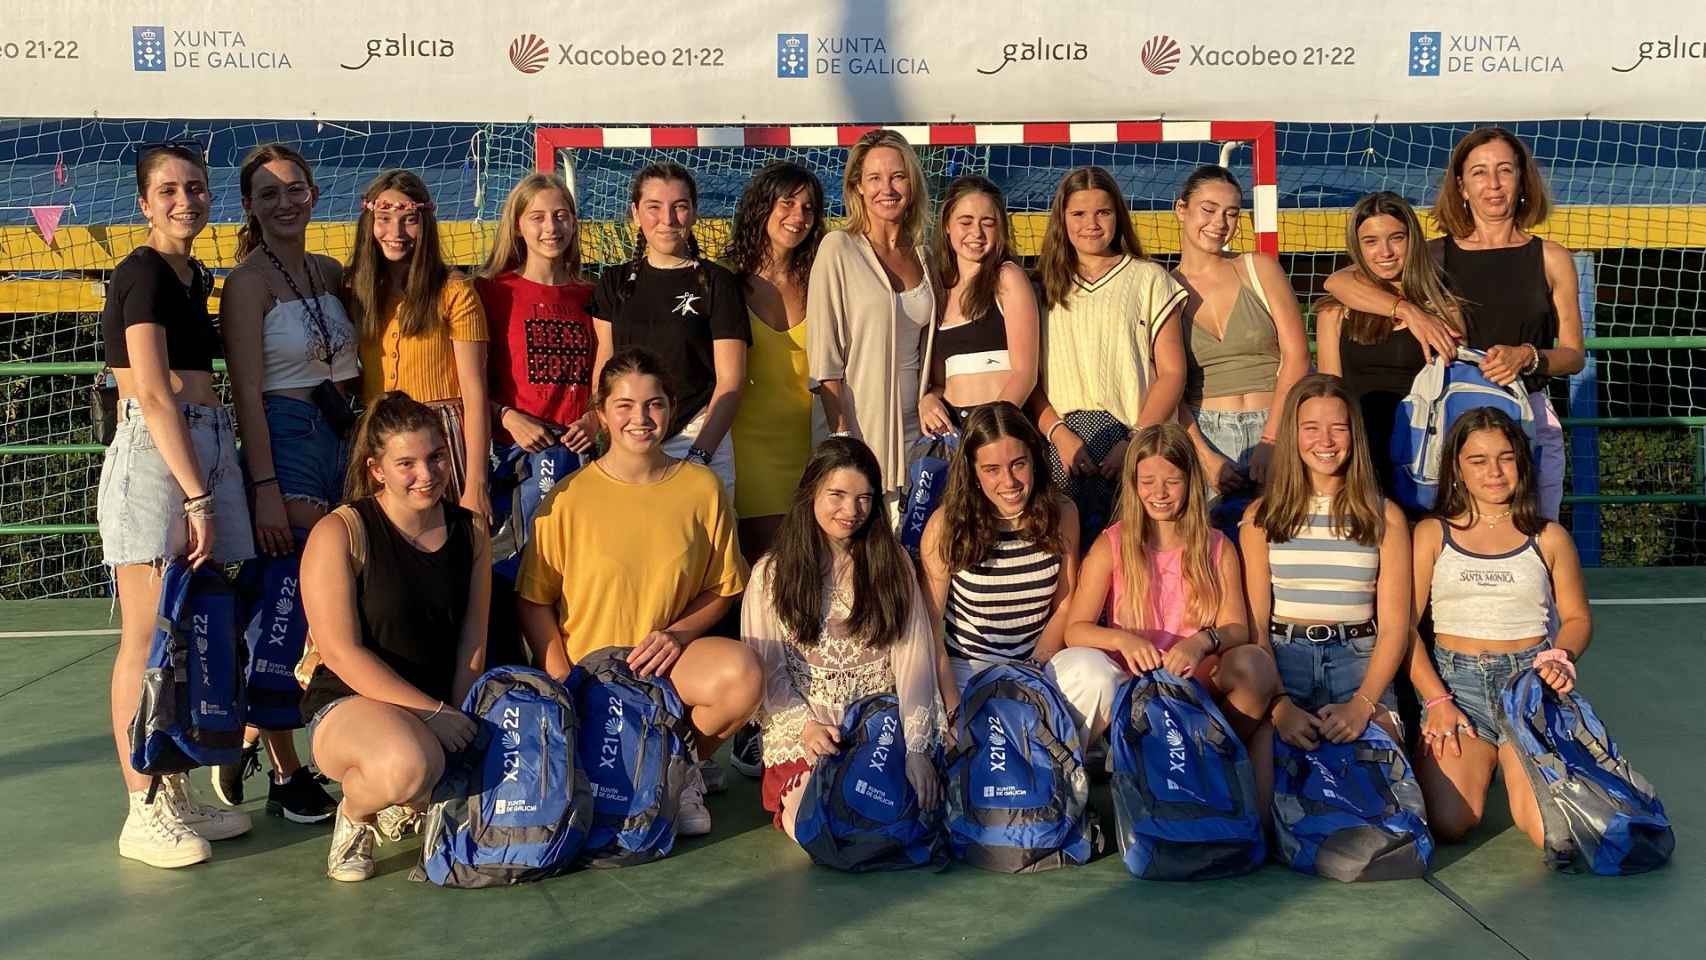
(1168, 598)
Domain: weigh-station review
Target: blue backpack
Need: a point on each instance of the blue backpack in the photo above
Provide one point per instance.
(1017, 789)
(275, 631)
(926, 481)
(859, 811)
(634, 744)
(191, 713)
(1183, 788)
(1350, 811)
(515, 805)
(1597, 811)
(519, 482)
(1441, 393)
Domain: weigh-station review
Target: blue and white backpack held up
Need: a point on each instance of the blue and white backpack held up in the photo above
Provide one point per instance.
(1442, 392)
(1017, 790)
(515, 805)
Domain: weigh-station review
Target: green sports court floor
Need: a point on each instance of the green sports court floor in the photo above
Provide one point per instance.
(747, 891)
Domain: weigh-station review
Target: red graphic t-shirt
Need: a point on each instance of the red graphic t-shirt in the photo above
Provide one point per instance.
(542, 347)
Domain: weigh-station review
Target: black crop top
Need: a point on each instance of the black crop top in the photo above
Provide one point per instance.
(145, 289)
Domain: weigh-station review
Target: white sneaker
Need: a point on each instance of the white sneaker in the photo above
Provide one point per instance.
(154, 836)
(209, 822)
(397, 822)
(692, 819)
(351, 856)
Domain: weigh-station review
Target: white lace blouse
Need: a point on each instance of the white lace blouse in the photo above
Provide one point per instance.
(819, 683)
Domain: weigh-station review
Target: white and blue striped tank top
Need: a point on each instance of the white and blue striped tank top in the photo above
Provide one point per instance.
(1321, 577)
(997, 609)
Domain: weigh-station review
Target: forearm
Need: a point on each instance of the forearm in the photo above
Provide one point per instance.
(1358, 294)
(1088, 634)
(945, 680)
(1423, 676)
(476, 436)
(1562, 361)
(1573, 636)
(257, 439)
(1021, 383)
(719, 417)
(171, 436)
(1162, 399)
(372, 678)
(701, 614)
(1391, 647)
(1291, 370)
(544, 640)
(834, 410)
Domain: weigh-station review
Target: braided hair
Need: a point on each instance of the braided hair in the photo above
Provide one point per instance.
(667, 171)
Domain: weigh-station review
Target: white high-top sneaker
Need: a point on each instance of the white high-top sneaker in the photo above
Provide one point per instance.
(351, 856)
(154, 835)
(208, 822)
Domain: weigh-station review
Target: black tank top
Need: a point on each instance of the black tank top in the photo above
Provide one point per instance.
(1378, 376)
(1509, 300)
(411, 605)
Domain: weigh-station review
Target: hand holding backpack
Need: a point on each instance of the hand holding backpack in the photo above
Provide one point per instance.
(1350, 811)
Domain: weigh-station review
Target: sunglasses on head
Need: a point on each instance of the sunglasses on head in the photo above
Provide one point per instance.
(193, 147)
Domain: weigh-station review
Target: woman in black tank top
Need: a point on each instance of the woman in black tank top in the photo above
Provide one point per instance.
(396, 586)
(1519, 290)
(986, 325)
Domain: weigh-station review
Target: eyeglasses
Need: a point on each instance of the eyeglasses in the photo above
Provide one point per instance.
(193, 147)
(295, 193)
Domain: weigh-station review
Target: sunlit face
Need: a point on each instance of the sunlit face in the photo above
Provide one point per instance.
(1487, 466)
(413, 467)
(397, 225)
(1384, 242)
(1004, 471)
(1089, 220)
(177, 199)
(1324, 435)
(885, 185)
(282, 199)
(842, 503)
(547, 225)
(1208, 218)
(1491, 180)
(635, 412)
(664, 215)
(1163, 488)
(790, 222)
(974, 226)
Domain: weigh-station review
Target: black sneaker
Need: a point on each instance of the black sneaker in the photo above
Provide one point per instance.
(746, 751)
(301, 799)
(228, 777)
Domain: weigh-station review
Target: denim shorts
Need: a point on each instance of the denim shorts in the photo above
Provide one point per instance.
(1477, 681)
(313, 723)
(308, 457)
(140, 506)
(1320, 674)
(1233, 435)
(722, 459)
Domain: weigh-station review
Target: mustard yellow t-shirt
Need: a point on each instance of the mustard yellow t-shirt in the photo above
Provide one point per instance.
(619, 560)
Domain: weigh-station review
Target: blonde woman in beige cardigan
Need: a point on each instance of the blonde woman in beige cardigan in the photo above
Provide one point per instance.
(870, 307)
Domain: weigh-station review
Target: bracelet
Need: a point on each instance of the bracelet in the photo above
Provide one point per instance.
(698, 455)
(1214, 637)
(1534, 360)
(1048, 437)
(257, 484)
(1558, 656)
(1393, 313)
(841, 433)
(436, 711)
(205, 496)
(1432, 702)
(1372, 706)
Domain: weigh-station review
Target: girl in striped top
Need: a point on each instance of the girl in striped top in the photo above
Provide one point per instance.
(1001, 556)
(1327, 567)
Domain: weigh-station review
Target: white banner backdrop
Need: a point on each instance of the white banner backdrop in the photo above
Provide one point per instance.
(855, 61)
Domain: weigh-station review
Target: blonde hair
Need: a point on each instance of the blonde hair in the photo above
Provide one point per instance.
(509, 251)
(1357, 511)
(1533, 201)
(917, 217)
(1170, 442)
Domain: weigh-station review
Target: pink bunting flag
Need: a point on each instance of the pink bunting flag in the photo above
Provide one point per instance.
(47, 221)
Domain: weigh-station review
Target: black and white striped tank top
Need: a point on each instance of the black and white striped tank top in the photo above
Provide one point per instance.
(997, 609)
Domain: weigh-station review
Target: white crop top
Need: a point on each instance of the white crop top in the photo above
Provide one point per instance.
(1503, 597)
(294, 348)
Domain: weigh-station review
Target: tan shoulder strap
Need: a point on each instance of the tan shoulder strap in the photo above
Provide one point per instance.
(357, 536)
(1256, 282)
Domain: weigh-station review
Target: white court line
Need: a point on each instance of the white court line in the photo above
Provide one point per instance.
(1648, 601)
(29, 634)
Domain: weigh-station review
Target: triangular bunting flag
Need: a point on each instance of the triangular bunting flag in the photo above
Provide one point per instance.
(47, 221)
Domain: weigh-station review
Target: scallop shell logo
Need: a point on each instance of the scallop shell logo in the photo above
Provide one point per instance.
(529, 53)
(1175, 739)
(512, 739)
(885, 738)
(1160, 55)
(613, 726)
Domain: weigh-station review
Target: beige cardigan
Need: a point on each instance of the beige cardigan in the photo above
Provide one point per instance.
(851, 317)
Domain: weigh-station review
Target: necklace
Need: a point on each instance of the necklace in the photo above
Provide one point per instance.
(1493, 521)
(1005, 516)
(310, 305)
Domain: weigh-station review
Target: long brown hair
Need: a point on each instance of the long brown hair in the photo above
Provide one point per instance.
(1422, 282)
(1170, 442)
(917, 218)
(970, 519)
(1058, 260)
(1533, 200)
(1358, 511)
(249, 234)
(800, 561)
(393, 413)
(364, 278)
(978, 300)
(749, 244)
(1454, 498)
(509, 250)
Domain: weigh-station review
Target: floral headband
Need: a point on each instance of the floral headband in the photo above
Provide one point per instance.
(392, 206)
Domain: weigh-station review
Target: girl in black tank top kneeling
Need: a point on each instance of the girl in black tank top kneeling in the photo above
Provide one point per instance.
(399, 622)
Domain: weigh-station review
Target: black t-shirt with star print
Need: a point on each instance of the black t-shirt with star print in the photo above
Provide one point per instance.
(675, 314)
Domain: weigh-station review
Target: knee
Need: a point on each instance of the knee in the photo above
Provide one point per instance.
(402, 772)
(1082, 668)
(1249, 668)
(1451, 826)
(740, 681)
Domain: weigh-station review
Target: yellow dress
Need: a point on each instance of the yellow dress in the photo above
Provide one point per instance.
(773, 428)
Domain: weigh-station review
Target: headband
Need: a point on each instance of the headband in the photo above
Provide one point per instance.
(392, 206)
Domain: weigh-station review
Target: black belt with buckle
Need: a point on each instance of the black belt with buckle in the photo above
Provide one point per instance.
(1321, 632)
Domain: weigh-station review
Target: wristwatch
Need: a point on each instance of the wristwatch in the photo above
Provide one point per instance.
(698, 456)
